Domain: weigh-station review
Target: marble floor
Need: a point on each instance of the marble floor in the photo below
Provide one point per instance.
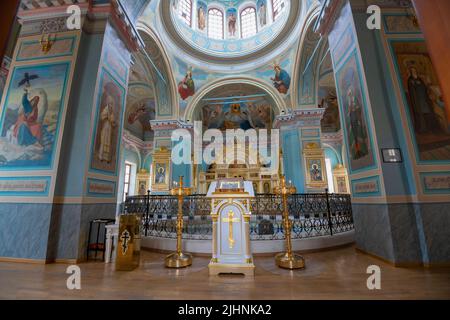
(335, 274)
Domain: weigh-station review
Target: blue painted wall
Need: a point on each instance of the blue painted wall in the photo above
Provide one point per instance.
(24, 230)
(74, 151)
(292, 161)
(181, 170)
(398, 177)
(331, 154)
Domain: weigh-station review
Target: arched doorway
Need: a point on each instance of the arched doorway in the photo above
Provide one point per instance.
(314, 79)
(237, 104)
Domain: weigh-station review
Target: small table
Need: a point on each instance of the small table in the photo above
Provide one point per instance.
(98, 246)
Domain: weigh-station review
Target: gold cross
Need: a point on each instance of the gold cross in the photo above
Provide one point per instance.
(231, 220)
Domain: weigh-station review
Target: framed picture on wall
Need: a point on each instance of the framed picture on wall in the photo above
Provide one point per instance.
(160, 173)
(161, 170)
(315, 170)
(392, 155)
(340, 180)
(143, 182)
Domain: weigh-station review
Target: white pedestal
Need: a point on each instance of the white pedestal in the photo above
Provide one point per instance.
(112, 232)
(230, 212)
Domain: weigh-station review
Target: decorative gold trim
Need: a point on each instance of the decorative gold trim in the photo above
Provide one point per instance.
(161, 156)
(219, 192)
(47, 43)
(340, 172)
(217, 268)
(231, 220)
(315, 154)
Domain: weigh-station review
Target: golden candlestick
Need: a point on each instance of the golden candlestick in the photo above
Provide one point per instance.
(287, 260)
(179, 259)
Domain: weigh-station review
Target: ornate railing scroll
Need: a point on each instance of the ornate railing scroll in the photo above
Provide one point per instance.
(313, 215)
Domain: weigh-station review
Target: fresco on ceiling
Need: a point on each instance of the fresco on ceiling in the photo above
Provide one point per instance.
(307, 72)
(161, 81)
(428, 114)
(201, 15)
(31, 116)
(261, 6)
(202, 76)
(196, 34)
(134, 7)
(354, 108)
(255, 115)
(138, 117)
(327, 97)
(331, 121)
(232, 22)
(186, 87)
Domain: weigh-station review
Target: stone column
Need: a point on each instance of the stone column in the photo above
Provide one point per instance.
(401, 209)
(163, 139)
(297, 131)
(51, 192)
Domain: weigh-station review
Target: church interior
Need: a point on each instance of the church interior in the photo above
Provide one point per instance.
(98, 97)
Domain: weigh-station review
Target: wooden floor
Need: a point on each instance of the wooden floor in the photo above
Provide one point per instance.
(336, 274)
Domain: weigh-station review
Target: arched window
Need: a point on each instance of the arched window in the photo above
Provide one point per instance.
(248, 22)
(185, 11)
(215, 24)
(278, 6)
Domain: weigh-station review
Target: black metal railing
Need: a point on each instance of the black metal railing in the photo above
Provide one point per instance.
(313, 215)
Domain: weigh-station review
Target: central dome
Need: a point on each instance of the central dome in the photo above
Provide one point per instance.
(229, 28)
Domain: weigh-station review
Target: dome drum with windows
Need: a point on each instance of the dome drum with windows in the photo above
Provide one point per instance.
(223, 19)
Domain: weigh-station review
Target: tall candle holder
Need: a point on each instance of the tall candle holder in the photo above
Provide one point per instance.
(179, 259)
(287, 260)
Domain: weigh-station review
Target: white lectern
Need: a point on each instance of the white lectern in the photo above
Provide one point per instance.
(230, 212)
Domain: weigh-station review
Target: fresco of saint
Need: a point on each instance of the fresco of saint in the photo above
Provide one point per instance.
(232, 24)
(262, 14)
(425, 120)
(423, 100)
(282, 80)
(356, 131)
(108, 123)
(186, 88)
(27, 130)
(201, 17)
(106, 135)
(355, 122)
(30, 117)
(236, 118)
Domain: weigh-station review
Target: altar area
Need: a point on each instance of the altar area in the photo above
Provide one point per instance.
(318, 221)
